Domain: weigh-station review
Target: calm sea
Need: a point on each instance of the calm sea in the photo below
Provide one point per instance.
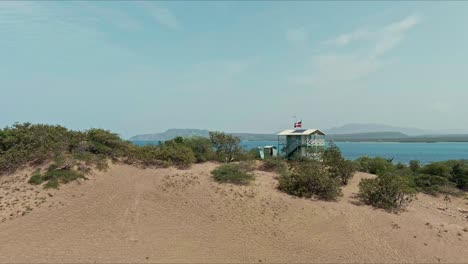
(400, 152)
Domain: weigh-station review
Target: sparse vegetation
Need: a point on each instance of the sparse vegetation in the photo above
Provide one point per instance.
(36, 178)
(338, 167)
(54, 176)
(310, 179)
(226, 146)
(175, 153)
(276, 164)
(414, 165)
(236, 173)
(201, 147)
(376, 165)
(28, 144)
(387, 191)
(445, 177)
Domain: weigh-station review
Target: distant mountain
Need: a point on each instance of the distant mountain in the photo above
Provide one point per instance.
(170, 134)
(369, 136)
(382, 136)
(370, 127)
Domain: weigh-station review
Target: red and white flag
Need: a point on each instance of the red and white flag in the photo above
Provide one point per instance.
(298, 124)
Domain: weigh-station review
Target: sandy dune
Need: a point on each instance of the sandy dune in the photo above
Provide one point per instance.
(167, 215)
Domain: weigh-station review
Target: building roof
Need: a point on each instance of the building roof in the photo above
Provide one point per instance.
(299, 132)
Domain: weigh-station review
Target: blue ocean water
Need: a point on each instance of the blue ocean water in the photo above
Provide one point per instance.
(400, 152)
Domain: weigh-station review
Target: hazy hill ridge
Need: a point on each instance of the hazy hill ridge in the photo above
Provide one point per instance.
(172, 133)
(334, 134)
(353, 128)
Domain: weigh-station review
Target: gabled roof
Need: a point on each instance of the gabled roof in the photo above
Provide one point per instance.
(299, 132)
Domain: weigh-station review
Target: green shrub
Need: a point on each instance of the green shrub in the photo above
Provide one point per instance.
(310, 179)
(226, 146)
(339, 168)
(201, 147)
(380, 165)
(176, 154)
(247, 155)
(36, 178)
(106, 143)
(276, 164)
(144, 155)
(27, 143)
(233, 173)
(438, 169)
(400, 166)
(433, 184)
(247, 165)
(414, 165)
(376, 165)
(386, 191)
(362, 163)
(55, 176)
(99, 161)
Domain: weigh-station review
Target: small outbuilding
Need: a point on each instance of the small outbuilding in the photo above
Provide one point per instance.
(268, 151)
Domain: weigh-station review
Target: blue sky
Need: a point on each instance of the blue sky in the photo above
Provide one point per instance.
(143, 67)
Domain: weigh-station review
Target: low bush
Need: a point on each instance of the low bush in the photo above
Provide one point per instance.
(276, 164)
(414, 165)
(36, 178)
(438, 169)
(56, 177)
(376, 165)
(390, 192)
(339, 168)
(53, 177)
(233, 173)
(227, 147)
(176, 154)
(460, 175)
(247, 165)
(310, 179)
(244, 155)
(201, 147)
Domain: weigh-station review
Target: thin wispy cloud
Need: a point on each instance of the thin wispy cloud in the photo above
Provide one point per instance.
(297, 36)
(393, 34)
(119, 19)
(347, 38)
(335, 66)
(162, 15)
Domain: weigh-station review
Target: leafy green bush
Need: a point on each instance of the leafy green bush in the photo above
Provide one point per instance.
(233, 173)
(25, 143)
(414, 165)
(400, 166)
(247, 165)
(247, 155)
(36, 178)
(460, 175)
(276, 164)
(226, 146)
(376, 165)
(390, 192)
(339, 168)
(176, 154)
(201, 147)
(55, 176)
(310, 179)
(437, 168)
(107, 143)
(90, 159)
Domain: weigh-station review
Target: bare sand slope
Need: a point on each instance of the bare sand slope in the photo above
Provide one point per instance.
(168, 215)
